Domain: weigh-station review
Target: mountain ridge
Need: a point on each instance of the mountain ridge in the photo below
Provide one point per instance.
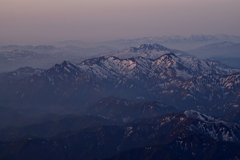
(174, 132)
(167, 105)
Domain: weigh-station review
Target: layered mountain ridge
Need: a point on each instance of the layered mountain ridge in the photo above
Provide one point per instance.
(185, 82)
(152, 51)
(146, 102)
(177, 134)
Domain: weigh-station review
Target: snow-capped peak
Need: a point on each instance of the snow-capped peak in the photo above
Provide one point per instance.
(185, 67)
(152, 51)
(214, 128)
(65, 66)
(199, 116)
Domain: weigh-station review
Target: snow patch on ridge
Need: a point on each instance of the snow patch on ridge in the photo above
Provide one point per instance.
(199, 116)
(214, 128)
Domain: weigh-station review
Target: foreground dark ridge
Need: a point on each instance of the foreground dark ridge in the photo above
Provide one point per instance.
(185, 135)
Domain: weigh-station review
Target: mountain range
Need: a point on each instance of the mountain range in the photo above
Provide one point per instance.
(145, 102)
(44, 56)
(185, 135)
(179, 42)
(226, 52)
(166, 78)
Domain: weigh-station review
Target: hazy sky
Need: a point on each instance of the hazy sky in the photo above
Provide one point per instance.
(47, 21)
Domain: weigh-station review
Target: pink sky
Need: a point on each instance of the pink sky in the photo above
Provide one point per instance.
(48, 21)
